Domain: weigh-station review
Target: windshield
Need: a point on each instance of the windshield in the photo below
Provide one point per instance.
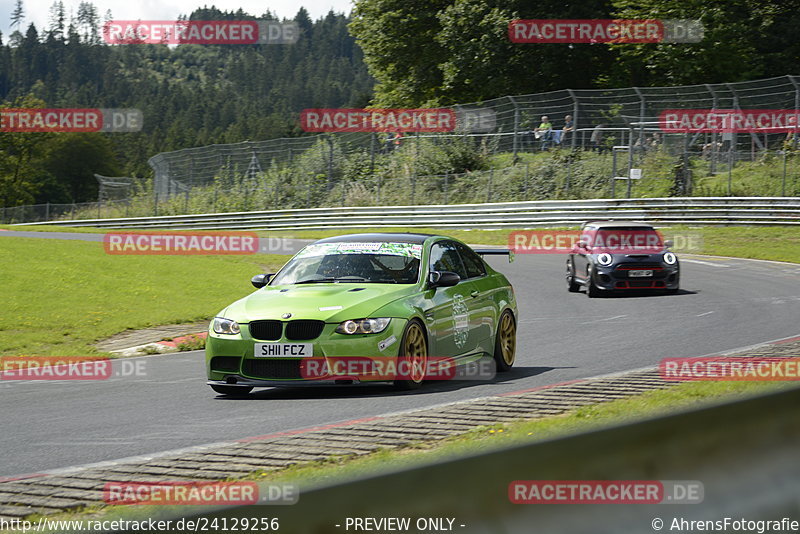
(377, 263)
(622, 240)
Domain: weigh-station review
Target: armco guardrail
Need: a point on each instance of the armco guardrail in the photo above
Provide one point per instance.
(678, 210)
(744, 453)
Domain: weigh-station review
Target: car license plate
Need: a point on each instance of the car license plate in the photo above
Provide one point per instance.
(640, 273)
(284, 350)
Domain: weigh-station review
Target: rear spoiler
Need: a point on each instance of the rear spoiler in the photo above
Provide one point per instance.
(495, 252)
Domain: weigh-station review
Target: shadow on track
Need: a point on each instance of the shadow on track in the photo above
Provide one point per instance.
(383, 389)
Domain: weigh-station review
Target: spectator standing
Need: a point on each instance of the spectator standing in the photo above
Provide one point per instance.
(569, 126)
(544, 132)
(596, 139)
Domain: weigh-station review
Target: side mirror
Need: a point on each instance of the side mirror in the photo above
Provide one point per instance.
(669, 243)
(260, 280)
(443, 279)
(583, 245)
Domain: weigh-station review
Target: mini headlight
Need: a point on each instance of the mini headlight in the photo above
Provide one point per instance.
(604, 258)
(670, 258)
(225, 326)
(363, 326)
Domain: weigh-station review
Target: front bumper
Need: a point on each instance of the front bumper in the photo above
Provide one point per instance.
(617, 277)
(230, 360)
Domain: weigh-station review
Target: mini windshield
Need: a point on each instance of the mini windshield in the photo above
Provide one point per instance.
(375, 263)
(627, 240)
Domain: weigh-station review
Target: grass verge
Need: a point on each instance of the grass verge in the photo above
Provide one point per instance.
(62, 296)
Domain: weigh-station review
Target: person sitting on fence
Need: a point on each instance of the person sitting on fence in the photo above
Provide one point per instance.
(544, 132)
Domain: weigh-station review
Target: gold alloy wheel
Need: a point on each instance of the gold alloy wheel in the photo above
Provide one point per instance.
(415, 350)
(508, 338)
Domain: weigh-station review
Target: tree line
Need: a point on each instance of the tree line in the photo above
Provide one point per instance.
(190, 95)
(387, 53)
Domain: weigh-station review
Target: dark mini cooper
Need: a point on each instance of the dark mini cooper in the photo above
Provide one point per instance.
(621, 256)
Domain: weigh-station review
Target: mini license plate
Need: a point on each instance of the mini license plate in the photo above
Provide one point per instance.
(284, 350)
(640, 273)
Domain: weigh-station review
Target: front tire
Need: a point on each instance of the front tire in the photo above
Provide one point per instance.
(592, 291)
(572, 285)
(505, 345)
(232, 391)
(413, 356)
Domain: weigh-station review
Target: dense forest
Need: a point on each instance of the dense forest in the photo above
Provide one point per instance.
(409, 53)
(190, 95)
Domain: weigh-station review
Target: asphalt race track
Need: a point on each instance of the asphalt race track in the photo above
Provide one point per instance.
(724, 304)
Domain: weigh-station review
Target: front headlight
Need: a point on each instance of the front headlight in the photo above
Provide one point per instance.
(363, 326)
(225, 326)
(670, 258)
(604, 258)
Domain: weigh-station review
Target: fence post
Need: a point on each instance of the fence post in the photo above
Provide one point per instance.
(372, 139)
(516, 126)
(277, 188)
(569, 173)
(330, 164)
(414, 176)
(574, 133)
(527, 177)
(446, 176)
(47, 209)
(783, 182)
(99, 205)
(491, 181)
(613, 172)
(730, 170)
(630, 163)
(642, 111)
(796, 110)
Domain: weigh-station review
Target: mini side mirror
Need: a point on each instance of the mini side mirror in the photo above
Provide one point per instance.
(669, 243)
(260, 280)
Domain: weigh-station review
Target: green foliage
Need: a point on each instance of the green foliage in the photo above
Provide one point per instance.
(190, 95)
(744, 40)
(444, 52)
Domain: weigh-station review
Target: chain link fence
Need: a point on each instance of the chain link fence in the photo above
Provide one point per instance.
(613, 135)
